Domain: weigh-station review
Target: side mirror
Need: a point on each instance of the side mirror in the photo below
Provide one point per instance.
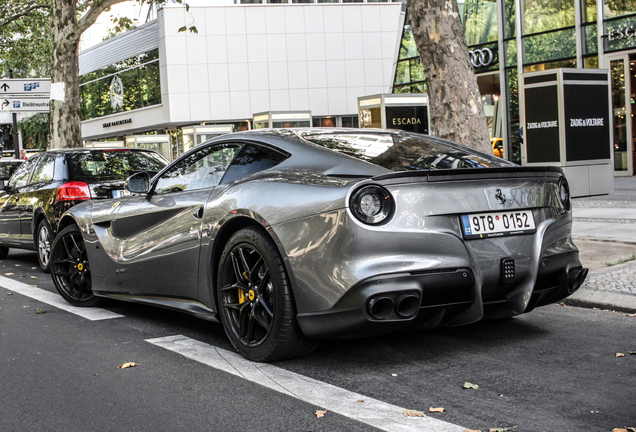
(138, 183)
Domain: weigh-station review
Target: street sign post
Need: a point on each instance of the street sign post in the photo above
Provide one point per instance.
(25, 104)
(25, 87)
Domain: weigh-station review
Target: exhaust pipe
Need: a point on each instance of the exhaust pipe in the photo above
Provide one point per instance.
(407, 305)
(576, 277)
(380, 307)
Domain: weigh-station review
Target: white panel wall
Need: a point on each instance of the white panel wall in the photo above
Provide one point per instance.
(253, 58)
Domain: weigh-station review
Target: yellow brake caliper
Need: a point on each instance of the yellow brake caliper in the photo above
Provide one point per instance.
(241, 294)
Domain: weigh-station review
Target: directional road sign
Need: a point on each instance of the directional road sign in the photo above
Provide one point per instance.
(24, 104)
(25, 87)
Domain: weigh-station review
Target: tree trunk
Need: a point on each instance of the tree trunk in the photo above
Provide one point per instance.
(66, 129)
(455, 101)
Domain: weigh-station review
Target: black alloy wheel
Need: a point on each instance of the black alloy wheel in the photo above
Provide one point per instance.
(44, 238)
(255, 299)
(70, 268)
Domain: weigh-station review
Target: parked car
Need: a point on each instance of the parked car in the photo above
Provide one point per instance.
(49, 183)
(8, 167)
(285, 241)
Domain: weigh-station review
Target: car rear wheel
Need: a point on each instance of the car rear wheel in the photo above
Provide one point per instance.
(70, 268)
(255, 300)
(44, 240)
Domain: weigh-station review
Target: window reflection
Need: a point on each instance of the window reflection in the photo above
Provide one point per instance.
(199, 170)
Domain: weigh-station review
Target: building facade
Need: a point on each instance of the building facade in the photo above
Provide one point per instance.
(301, 63)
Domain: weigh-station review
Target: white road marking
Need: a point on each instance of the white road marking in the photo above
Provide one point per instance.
(53, 299)
(373, 412)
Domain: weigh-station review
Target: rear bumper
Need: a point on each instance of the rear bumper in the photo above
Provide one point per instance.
(387, 303)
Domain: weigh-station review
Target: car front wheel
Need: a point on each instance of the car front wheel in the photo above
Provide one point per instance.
(70, 268)
(255, 300)
(44, 239)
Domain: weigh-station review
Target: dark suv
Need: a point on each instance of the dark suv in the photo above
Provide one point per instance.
(48, 184)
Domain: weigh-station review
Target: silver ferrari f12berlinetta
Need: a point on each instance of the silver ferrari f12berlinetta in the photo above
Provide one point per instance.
(289, 236)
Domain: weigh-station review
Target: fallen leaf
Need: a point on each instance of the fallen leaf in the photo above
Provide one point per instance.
(33, 277)
(632, 352)
(17, 265)
(620, 355)
(360, 401)
(471, 430)
(431, 409)
(127, 365)
(320, 413)
(40, 311)
(468, 385)
(394, 375)
(9, 274)
(9, 293)
(619, 430)
(34, 268)
(631, 315)
(32, 286)
(560, 304)
(413, 413)
(25, 306)
(506, 429)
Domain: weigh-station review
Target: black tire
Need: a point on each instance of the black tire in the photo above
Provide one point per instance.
(255, 299)
(43, 242)
(70, 269)
(4, 252)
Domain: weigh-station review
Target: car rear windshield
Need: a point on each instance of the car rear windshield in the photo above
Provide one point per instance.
(403, 152)
(114, 164)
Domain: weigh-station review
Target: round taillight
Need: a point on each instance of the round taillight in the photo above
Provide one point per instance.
(564, 193)
(372, 205)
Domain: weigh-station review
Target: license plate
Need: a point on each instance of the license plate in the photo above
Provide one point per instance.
(118, 193)
(499, 224)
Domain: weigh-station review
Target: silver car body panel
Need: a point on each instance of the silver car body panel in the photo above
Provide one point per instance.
(163, 247)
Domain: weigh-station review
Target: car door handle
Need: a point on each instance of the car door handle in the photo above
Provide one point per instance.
(198, 213)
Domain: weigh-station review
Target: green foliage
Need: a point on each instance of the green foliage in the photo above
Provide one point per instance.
(25, 43)
(481, 21)
(35, 131)
(122, 25)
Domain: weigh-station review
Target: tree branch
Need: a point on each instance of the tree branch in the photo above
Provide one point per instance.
(24, 13)
(93, 13)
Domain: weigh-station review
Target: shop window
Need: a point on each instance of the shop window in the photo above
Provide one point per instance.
(140, 82)
(481, 21)
(621, 33)
(616, 8)
(350, 121)
(550, 46)
(591, 39)
(329, 122)
(543, 15)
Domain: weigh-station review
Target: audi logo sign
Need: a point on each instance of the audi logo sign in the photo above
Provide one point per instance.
(481, 57)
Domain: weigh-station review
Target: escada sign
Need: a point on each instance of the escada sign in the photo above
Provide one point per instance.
(406, 121)
(621, 33)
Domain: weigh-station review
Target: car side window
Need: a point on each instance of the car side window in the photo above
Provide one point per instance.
(21, 176)
(44, 170)
(252, 159)
(199, 170)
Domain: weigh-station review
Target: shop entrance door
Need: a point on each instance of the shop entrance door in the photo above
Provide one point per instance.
(490, 92)
(623, 71)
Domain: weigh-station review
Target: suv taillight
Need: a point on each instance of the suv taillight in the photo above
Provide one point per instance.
(73, 191)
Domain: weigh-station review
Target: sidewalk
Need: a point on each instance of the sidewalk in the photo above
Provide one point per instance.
(604, 229)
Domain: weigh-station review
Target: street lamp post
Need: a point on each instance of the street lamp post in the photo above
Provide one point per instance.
(16, 144)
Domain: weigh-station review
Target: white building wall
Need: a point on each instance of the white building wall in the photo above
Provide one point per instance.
(253, 58)
(247, 59)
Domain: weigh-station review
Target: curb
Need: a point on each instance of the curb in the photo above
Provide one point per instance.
(605, 300)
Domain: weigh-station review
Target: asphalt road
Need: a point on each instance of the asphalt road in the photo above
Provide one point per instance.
(554, 369)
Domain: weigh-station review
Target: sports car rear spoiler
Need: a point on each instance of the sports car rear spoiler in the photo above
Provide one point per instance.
(470, 174)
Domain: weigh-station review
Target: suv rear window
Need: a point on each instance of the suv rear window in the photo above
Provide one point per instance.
(114, 164)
